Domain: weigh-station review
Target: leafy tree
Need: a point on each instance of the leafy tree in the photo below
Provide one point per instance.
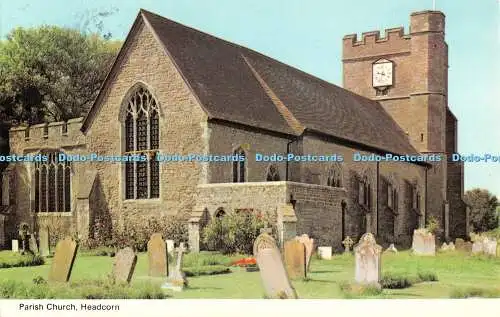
(51, 73)
(483, 206)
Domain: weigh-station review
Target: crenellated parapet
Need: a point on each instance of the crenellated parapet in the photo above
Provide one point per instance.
(371, 43)
(53, 134)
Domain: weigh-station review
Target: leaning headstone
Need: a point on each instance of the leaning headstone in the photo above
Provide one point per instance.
(368, 261)
(325, 253)
(272, 271)
(295, 259)
(62, 264)
(392, 249)
(309, 244)
(170, 246)
(33, 246)
(124, 265)
(348, 243)
(157, 256)
(177, 279)
(15, 245)
(44, 241)
(424, 242)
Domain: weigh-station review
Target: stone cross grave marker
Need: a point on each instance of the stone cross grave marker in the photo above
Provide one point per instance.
(124, 265)
(177, 279)
(368, 261)
(62, 264)
(170, 246)
(309, 244)
(44, 241)
(157, 256)
(424, 242)
(348, 243)
(33, 246)
(15, 245)
(295, 259)
(272, 270)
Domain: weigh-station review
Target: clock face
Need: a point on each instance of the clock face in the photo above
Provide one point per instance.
(382, 73)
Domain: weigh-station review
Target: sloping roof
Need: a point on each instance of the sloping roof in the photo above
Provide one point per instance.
(236, 84)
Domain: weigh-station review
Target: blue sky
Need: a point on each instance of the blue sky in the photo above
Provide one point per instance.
(308, 35)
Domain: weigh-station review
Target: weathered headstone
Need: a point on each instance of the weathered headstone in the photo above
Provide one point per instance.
(33, 246)
(295, 259)
(62, 264)
(157, 256)
(392, 249)
(44, 241)
(368, 261)
(124, 265)
(424, 242)
(15, 245)
(309, 244)
(272, 271)
(170, 246)
(484, 245)
(451, 246)
(177, 279)
(325, 253)
(348, 243)
(490, 247)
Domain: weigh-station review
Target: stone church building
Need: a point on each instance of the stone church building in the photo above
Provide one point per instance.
(176, 90)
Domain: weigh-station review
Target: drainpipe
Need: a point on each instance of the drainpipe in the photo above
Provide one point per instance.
(425, 193)
(377, 194)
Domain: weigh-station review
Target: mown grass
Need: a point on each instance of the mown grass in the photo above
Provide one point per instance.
(446, 275)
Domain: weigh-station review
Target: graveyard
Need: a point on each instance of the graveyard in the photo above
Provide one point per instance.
(295, 272)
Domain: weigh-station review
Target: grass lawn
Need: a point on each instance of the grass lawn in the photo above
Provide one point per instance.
(454, 271)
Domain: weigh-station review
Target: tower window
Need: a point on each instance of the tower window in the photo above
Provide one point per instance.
(52, 185)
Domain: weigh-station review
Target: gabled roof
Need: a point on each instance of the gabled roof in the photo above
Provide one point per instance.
(239, 85)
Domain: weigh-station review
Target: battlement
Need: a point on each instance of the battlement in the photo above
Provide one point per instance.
(70, 128)
(374, 36)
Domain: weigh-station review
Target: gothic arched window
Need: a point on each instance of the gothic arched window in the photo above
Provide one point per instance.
(52, 184)
(365, 193)
(273, 174)
(142, 131)
(334, 178)
(239, 166)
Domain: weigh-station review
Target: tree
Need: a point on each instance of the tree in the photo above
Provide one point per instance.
(483, 206)
(51, 73)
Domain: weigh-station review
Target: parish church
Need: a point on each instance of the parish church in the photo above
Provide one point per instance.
(176, 90)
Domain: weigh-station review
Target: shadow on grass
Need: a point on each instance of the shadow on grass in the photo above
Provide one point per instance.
(327, 271)
(319, 281)
(203, 288)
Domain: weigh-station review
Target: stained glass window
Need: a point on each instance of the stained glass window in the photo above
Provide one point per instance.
(142, 178)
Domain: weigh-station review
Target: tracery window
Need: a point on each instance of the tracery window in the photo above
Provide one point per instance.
(142, 178)
(273, 173)
(334, 178)
(239, 167)
(52, 184)
(365, 193)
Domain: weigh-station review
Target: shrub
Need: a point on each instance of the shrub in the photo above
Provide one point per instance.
(395, 281)
(13, 259)
(233, 233)
(427, 276)
(99, 251)
(205, 258)
(136, 234)
(356, 290)
(433, 225)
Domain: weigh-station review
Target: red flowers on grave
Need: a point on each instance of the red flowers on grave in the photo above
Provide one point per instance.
(245, 262)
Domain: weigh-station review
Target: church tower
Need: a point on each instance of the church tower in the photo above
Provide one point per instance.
(408, 75)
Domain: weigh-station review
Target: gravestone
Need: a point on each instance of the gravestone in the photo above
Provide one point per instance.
(348, 243)
(391, 249)
(444, 247)
(309, 244)
(157, 256)
(451, 246)
(177, 279)
(33, 246)
(325, 253)
(44, 241)
(62, 264)
(170, 246)
(368, 261)
(15, 245)
(295, 259)
(124, 265)
(484, 245)
(272, 271)
(424, 242)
